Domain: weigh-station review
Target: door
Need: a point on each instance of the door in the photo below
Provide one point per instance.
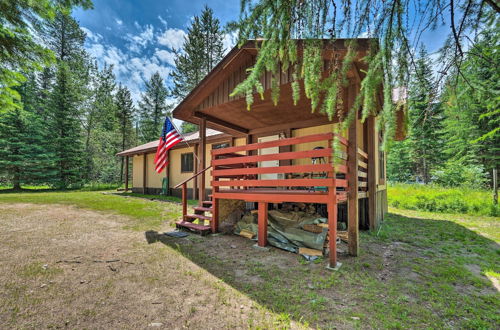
(269, 163)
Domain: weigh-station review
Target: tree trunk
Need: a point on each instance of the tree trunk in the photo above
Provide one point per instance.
(16, 180)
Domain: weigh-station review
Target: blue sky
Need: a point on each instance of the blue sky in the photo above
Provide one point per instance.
(137, 37)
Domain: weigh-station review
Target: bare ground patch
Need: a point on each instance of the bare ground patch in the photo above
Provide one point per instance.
(69, 267)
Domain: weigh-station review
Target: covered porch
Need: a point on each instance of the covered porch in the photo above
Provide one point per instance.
(289, 167)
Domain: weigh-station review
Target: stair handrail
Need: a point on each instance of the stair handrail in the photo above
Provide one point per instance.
(184, 191)
(194, 176)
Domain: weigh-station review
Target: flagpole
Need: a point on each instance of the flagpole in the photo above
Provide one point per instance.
(185, 141)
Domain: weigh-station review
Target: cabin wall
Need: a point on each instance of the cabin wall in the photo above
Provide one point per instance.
(153, 179)
(137, 172)
(175, 175)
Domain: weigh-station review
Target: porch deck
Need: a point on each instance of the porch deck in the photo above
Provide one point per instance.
(301, 174)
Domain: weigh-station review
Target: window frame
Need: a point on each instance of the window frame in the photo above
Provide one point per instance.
(219, 143)
(192, 162)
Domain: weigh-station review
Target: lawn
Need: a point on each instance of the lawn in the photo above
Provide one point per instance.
(438, 199)
(420, 270)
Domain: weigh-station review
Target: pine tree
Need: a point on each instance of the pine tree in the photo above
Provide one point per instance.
(24, 156)
(189, 63)
(19, 48)
(187, 127)
(212, 37)
(202, 50)
(426, 116)
(125, 112)
(66, 98)
(100, 122)
(471, 102)
(153, 108)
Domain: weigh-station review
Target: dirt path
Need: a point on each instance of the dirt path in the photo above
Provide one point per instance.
(68, 267)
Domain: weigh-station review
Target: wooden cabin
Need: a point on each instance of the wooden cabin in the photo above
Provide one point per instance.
(281, 153)
(183, 163)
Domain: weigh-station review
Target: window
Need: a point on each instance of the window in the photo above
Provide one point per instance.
(187, 162)
(220, 145)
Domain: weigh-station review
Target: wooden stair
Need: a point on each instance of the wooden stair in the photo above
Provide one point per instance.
(197, 222)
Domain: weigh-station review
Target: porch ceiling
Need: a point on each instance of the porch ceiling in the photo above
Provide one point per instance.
(264, 115)
(233, 117)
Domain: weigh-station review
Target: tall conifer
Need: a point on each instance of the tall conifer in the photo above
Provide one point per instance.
(66, 39)
(125, 112)
(153, 108)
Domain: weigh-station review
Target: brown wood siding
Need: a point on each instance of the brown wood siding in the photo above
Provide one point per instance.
(221, 94)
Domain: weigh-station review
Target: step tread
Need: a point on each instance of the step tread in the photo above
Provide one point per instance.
(193, 226)
(208, 202)
(202, 208)
(198, 216)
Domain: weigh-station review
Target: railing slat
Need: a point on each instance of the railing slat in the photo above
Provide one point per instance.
(275, 169)
(279, 143)
(362, 174)
(276, 183)
(362, 153)
(281, 156)
(362, 164)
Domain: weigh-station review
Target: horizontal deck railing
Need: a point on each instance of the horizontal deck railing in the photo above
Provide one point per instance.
(234, 171)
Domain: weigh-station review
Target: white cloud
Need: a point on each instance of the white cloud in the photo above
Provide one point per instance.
(229, 41)
(118, 21)
(141, 40)
(165, 56)
(172, 38)
(162, 20)
(91, 35)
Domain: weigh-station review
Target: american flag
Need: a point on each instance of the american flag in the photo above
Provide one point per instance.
(169, 138)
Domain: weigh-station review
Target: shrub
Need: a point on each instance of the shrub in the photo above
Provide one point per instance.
(456, 174)
(434, 198)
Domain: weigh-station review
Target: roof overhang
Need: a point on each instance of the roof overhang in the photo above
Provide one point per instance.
(233, 117)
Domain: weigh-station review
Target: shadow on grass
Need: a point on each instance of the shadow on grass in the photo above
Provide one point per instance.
(415, 273)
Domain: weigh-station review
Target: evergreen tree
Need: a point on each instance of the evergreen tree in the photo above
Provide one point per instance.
(19, 49)
(202, 50)
(153, 108)
(189, 63)
(426, 116)
(24, 156)
(212, 36)
(66, 98)
(125, 112)
(422, 152)
(99, 122)
(471, 101)
(400, 167)
(187, 127)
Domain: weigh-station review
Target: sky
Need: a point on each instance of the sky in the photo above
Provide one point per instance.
(138, 37)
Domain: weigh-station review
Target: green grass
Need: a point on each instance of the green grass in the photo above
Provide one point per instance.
(143, 213)
(420, 270)
(442, 200)
(437, 275)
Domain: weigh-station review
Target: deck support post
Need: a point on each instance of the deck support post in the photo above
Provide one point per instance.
(184, 201)
(214, 224)
(262, 223)
(332, 227)
(352, 165)
(372, 180)
(202, 155)
(126, 173)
